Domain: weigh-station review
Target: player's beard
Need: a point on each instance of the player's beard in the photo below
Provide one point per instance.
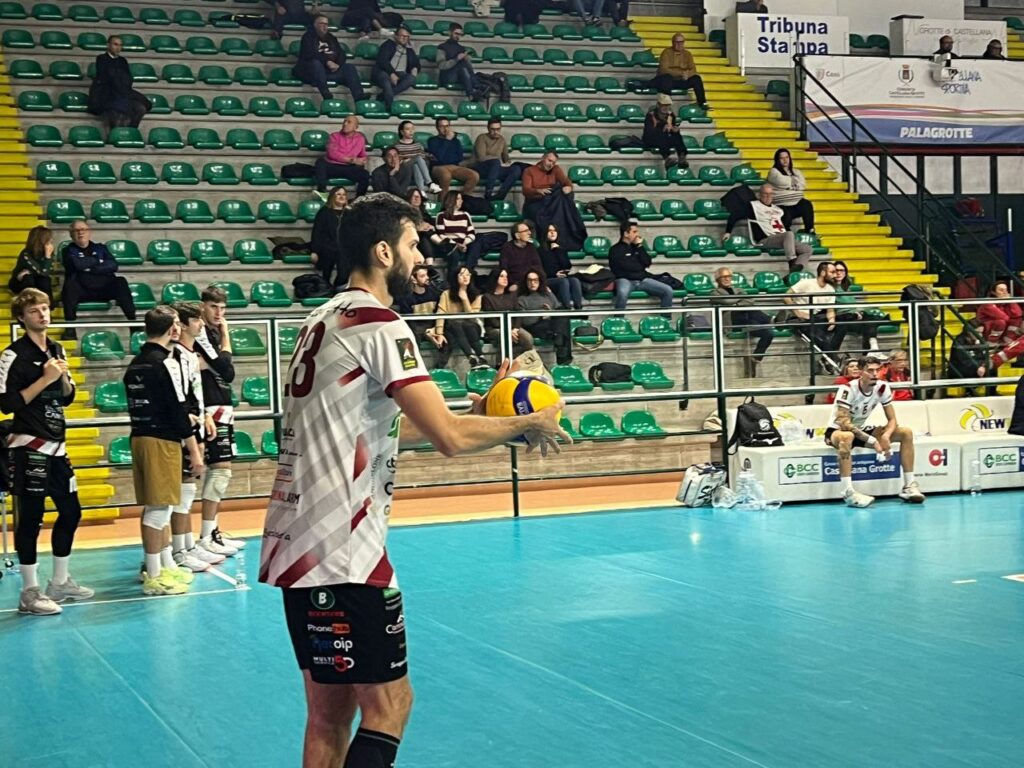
(398, 281)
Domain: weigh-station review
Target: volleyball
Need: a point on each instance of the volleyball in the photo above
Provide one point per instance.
(520, 395)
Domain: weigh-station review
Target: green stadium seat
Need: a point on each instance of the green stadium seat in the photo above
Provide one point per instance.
(235, 46)
(596, 34)
(617, 176)
(570, 430)
(508, 30)
(97, 172)
(260, 174)
(308, 210)
(372, 109)
(188, 104)
(280, 140)
(116, 14)
(143, 297)
(719, 144)
(769, 282)
(252, 252)
(126, 252)
(282, 77)
(247, 342)
(152, 212)
(570, 113)
(126, 138)
(165, 44)
(286, 337)
(738, 245)
(691, 113)
(599, 426)
(235, 295)
(698, 284)
(437, 108)
(494, 54)
(110, 396)
(143, 72)
(584, 57)
(220, 174)
(154, 17)
(166, 253)
(35, 101)
(268, 444)
(14, 11)
(584, 175)
(368, 51)
(677, 210)
(650, 176)
(650, 375)
(615, 59)
(73, 101)
(179, 174)
(473, 29)
(245, 450)
(715, 176)
(22, 39)
(560, 143)
(811, 239)
(235, 212)
(179, 291)
(710, 209)
(878, 41)
(449, 384)
(527, 143)
(570, 379)
(301, 107)
(209, 253)
(795, 277)
(1013, 22)
(64, 211)
(778, 88)
(508, 113)
(85, 136)
(269, 294)
(200, 45)
(744, 174)
(619, 330)
(383, 139)
(472, 110)
(538, 112)
(566, 32)
(121, 447)
(108, 211)
(706, 246)
(670, 247)
(83, 14)
(624, 34)
(479, 380)
(102, 346)
(165, 138)
(592, 144)
(547, 84)
(641, 424)
(228, 106)
(631, 113)
(609, 85)
(204, 139)
(265, 106)
(658, 329)
(213, 74)
(857, 41)
(504, 211)
(314, 139)
(276, 212)
(405, 109)
(552, 56)
(597, 246)
(26, 69)
(160, 104)
(740, 283)
(194, 212)
(41, 135)
(243, 139)
(601, 113)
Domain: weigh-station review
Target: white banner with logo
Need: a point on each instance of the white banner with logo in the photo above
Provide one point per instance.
(917, 37)
(905, 101)
(970, 415)
(771, 40)
(998, 462)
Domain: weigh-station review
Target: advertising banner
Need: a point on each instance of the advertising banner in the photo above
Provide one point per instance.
(920, 37)
(771, 40)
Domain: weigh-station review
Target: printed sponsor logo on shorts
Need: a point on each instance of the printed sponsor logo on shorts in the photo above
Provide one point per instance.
(331, 644)
(321, 598)
(396, 628)
(399, 664)
(340, 663)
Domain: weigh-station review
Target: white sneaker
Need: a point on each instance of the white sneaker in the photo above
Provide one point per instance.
(186, 560)
(69, 590)
(34, 602)
(434, 187)
(204, 555)
(227, 540)
(912, 492)
(856, 499)
(215, 547)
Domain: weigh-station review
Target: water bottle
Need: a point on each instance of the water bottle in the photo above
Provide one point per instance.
(974, 478)
(744, 484)
(241, 578)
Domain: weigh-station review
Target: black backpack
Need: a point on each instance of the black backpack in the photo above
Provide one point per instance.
(311, 287)
(487, 85)
(754, 427)
(927, 325)
(609, 373)
(618, 208)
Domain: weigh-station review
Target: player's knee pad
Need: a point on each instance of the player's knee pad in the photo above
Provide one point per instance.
(157, 517)
(188, 495)
(215, 484)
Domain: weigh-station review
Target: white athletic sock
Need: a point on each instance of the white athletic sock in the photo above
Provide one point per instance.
(152, 565)
(190, 541)
(178, 542)
(846, 483)
(209, 526)
(29, 576)
(60, 569)
(908, 478)
(167, 559)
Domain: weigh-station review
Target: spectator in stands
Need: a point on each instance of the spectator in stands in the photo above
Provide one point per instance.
(897, 370)
(746, 317)
(421, 299)
(662, 133)
(322, 62)
(345, 159)
(542, 179)
(491, 161)
(325, 250)
(968, 357)
(534, 296)
(765, 217)
(412, 154)
(465, 333)
(453, 64)
(849, 315)
(558, 269)
(519, 255)
(112, 95)
(364, 15)
(416, 199)
(396, 67)
(288, 12)
(90, 274)
(812, 302)
(751, 6)
(500, 297)
(589, 10)
(1001, 324)
(454, 234)
(946, 48)
(849, 369)
(629, 260)
(391, 176)
(677, 70)
(448, 154)
(789, 185)
(619, 10)
(35, 264)
(522, 12)
(994, 50)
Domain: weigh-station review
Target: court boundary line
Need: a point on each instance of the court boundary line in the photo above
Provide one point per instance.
(139, 598)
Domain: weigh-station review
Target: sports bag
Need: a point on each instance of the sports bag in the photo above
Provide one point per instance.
(311, 287)
(609, 373)
(699, 483)
(754, 427)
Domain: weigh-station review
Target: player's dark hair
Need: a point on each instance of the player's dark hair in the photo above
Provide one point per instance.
(371, 219)
(471, 290)
(625, 226)
(159, 321)
(187, 310)
(542, 286)
(869, 359)
(214, 293)
(823, 267)
(454, 27)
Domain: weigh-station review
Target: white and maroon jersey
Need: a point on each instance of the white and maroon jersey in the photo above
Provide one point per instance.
(861, 405)
(191, 379)
(327, 519)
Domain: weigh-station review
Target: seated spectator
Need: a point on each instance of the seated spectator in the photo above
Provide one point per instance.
(558, 269)
(448, 154)
(345, 158)
(325, 251)
(677, 70)
(994, 50)
(454, 234)
(425, 228)
(491, 161)
(746, 318)
(90, 274)
(396, 67)
(897, 370)
(541, 180)
(619, 10)
(589, 10)
(365, 16)
(412, 154)
(789, 185)
(391, 176)
(453, 64)
(629, 260)
(322, 62)
(519, 255)
(34, 266)
(288, 12)
(499, 297)
(112, 95)
(812, 301)
(534, 296)
(662, 133)
(465, 333)
(767, 228)
(968, 357)
(421, 299)
(849, 369)
(946, 48)
(1001, 325)
(849, 315)
(522, 12)
(1017, 417)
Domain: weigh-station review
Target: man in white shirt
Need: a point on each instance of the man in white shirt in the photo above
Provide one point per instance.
(853, 407)
(813, 302)
(767, 229)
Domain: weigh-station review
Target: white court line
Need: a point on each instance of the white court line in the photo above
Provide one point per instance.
(221, 575)
(137, 598)
(966, 581)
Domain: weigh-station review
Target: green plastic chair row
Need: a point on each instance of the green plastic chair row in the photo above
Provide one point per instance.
(278, 139)
(245, 450)
(220, 174)
(132, 43)
(858, 42)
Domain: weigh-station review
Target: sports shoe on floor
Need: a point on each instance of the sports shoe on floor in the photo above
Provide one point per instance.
(186, 560)
(34, 602)
(227, 539)
(69, 590)
(209, 545)
(857, 499)
(205, 556)
(181, 573)
(164, 584)
(912, 492)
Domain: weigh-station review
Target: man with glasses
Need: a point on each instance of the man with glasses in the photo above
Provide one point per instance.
(90, 274)
(491, 161)
(453, 62)
(677, 71)
(396, 67)
(746, 318)
(767, 229)
(322, 62)
(448, 154)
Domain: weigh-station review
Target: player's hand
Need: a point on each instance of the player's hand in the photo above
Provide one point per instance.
(197, 461)
(211, 427)
(54, 369)
(547, 432)
(883, 446)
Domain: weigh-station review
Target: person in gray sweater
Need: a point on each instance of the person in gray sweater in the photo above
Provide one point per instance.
(534, 296)
(745, 317)
(790, 186)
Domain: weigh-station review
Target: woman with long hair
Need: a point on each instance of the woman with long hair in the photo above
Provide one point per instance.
(325, 246)
(498, 298)
(454, 233)
(412, 153)
(790, 186)
(534, 296)
(557, 267)
(462, 297)
(35, 264)
(849, 314)
(417, 200)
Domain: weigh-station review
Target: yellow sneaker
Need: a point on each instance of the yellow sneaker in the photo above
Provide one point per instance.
(164, 584)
